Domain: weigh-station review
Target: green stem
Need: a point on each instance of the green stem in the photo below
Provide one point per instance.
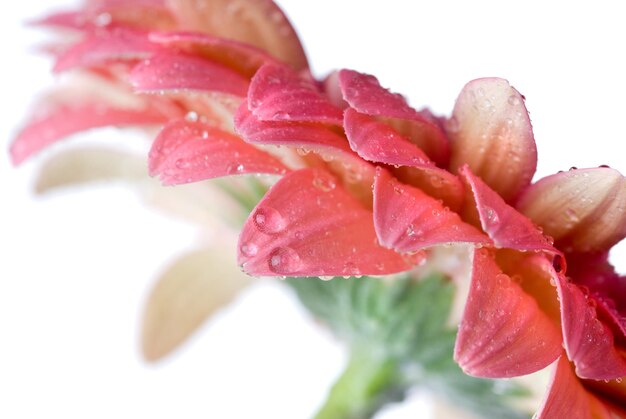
(368, 382)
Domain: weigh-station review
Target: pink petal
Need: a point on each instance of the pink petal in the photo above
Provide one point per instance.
(102, 46)
(187, 151)
(506, 227)
(240, 57)
(170, 70)
(407, 220)
(67, 120)
(333, 90)
(583, 209)
(377, 142)
(258, 23)
(589, 342)
(307, 225)
(490, 131)
(503, 332)
(69, 20)
(277, 93)
(365, 94)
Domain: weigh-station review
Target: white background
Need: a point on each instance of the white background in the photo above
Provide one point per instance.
(75, 267)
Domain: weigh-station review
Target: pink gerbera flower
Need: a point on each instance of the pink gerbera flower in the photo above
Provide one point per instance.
(369, 185)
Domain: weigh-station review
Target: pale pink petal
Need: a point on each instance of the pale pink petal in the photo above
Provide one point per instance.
(277, 93)
(583, 209)
(68, 20)
(408, 220)
(589, 342)
(490, 131)
(567, 398)
(307, 225)
(503, 332)
(102, 46)
(259, 23)
(190, 151)
(333, 90)
(67, 120)
(241, 57)
(504, 224)
(365, 94)
(175, 71)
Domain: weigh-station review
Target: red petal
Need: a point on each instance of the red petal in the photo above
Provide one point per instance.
(567, 398)
(503, 332)
(365, 94)
(491, 132)
(66, 120)
(504, 224)
(277, 93)
(259, 23)
(589, 343)
(407, 220)
(307, 225)
(170, 70)
(187, 151)
(104, 46)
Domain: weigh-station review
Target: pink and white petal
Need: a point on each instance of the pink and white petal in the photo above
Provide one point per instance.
(504, 224)
(490, 131)
(408, 220)
(567, 398)
(103, 46)
(187, 151)
(583, 209)
(503, 332)
(308, 225)
(259, 23)
(364, 93)
(67, 120)
(278, 93)
(175, 71)
(243, 58)
(589, 342)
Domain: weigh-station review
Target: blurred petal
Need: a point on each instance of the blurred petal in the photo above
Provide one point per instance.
(407, 220)
(567, 398)
(506, 227)
(365, 94)
(260, 23)
(171, 70)
(503, 332)
(277, 93)
(189, 291)
(491, 132)
(188, 151)
(584, 210)
(86, 165)
(307, 225)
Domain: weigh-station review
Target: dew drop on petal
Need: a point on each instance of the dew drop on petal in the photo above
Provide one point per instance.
(269, 221)
(249, 249)
(325, 185)
(284, 261)
(191, 116)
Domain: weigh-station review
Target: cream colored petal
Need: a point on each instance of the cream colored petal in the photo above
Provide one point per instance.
(584, 210)
(490, 131)
(189, 291)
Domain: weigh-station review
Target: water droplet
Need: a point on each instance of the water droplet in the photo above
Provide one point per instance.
(491, 215)
(618, 380)
(269, 221)
(410, 230)
(326, 277)
(103, 19)
(514, 100)
(191, 116)
(350, 269)
(571, 215)
(182, 164)
(284, 260)
(302, 151)
(281, 116)
(324, 184)
(205, 135)
(249, 249)
(436, 181)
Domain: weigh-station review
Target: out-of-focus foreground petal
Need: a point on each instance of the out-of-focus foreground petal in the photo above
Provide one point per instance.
(490, 131)
(503, 332)
(583, 209)
(308, 225)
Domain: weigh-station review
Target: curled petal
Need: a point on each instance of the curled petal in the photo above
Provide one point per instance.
(308, 225)
(504, 224)
(584, 210)
(277, 93)
(255, 22)
(190, 151)
(491, 132)
(364, 93)
(408, 220)
(567, 398)
(503, 332)
(170, 70)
